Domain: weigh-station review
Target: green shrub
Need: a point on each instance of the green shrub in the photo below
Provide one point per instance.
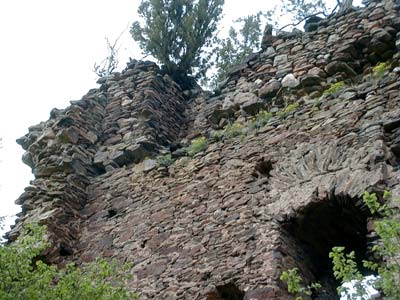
(295, 286)
(230, 131)
(24, 276)
(217, 135)
(234, 130)
(196, 146)
(387, 247)
(260, 119)
(334, 88)
(345, 269)
(165, 160)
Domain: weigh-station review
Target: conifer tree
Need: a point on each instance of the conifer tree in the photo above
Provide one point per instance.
(177, 33)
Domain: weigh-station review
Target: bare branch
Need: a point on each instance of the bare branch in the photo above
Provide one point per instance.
(110, 63)
(314, 15)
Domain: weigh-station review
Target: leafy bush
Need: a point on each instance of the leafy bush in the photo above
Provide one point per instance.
(388, 248)
(345, 269)
(334, 88)
(230, 131)
(233, 130)
(260, 119)
(294, 285)
(24, 276)
(196, 146)
(165, 160)
(217, 135)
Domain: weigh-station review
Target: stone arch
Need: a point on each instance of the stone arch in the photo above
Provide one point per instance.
(337, 220)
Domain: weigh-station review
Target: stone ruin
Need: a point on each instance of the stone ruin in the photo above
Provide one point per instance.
(225, 223)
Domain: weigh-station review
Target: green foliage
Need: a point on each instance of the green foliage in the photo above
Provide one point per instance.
(295, 286)
(301, 9)
(24, 276)
(233, 130)
(196, 146)
(230, 131)
(217, 135)
(388, 248)
(176, 32)
(380, 69)
(334, 88)
(260, 119)
(288, 109)
(345, 269)
(165, 160)
(236, 129)
(239, 44)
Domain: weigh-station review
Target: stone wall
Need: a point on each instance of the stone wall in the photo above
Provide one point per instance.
(131, 116)
(226, 222)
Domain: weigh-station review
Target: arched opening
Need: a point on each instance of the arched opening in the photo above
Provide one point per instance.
(320, 226)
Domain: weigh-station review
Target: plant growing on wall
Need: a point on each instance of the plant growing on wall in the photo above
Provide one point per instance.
(196, 146)
(296, 287)
(25, 276)
(345, 268)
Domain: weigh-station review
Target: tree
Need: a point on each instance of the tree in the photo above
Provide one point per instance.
(177, 33)
(25, 276)
(300, 10)
(239, 44)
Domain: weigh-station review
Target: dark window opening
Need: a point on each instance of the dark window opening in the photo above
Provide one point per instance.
(226, 292)
(65, 250)
(111, 213)
(263, 169)
(337, 221)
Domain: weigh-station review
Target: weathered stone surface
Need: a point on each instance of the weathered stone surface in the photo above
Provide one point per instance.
(290, 81)
(270, 89)
(280, 60)
(310, 80)
(338, 66)
(268, 38)
(312, 24)
(228, 220)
